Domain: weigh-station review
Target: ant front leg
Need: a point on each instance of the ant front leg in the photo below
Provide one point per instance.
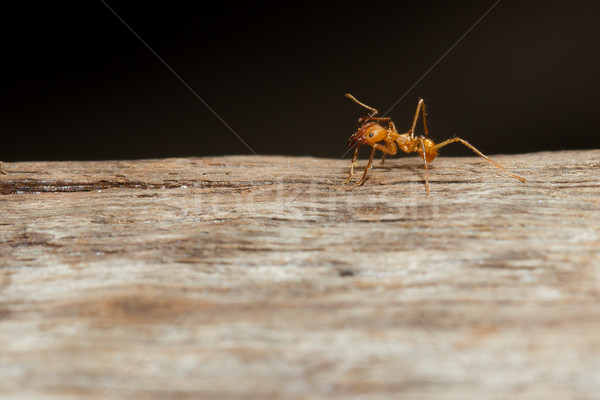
(388, 148)
(391, 146)
(370, 118)
(373, 110)
(364, 177)
(353, 164)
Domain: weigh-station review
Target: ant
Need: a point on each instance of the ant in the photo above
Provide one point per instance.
(372, 131)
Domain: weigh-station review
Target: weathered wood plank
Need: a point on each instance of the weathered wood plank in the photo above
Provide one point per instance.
(263, 277)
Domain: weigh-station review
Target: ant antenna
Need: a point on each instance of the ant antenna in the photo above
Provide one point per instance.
(348, 95)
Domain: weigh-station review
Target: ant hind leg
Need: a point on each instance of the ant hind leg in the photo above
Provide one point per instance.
(423, 149)
(444, 143)
(420, 109)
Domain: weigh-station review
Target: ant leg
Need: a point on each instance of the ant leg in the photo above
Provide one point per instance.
(2, 168)
(420, 108)
(389, 148)
(392, 147)
(348, 95)
(364, 178)
(369, 118)
(437, 146)
(422, 142)
(353, 164)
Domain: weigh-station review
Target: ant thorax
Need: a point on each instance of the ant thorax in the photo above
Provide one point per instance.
(405, 142)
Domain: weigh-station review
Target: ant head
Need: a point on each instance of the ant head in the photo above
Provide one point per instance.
(369, 133)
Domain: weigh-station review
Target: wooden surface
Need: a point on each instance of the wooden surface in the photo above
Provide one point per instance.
(264, 277)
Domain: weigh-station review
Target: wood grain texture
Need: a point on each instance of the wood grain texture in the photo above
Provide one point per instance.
(264, 277)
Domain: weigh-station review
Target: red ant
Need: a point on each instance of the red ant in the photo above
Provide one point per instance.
(372, 131)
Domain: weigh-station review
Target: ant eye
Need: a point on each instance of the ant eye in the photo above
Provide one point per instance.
(371, 134)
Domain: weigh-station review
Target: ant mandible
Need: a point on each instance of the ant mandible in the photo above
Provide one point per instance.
(372, 131)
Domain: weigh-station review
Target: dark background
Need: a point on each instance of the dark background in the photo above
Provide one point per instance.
(77, 84)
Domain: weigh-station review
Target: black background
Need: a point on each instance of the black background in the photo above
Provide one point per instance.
(77, 84)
